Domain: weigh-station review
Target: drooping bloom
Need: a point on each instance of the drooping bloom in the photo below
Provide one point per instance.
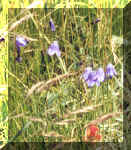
(2, 39)
(92, 77)
(20, 42)
(54, 49)
(92, 134)
(100, 74)
(52, 25)
(110, 71)
(86, 73)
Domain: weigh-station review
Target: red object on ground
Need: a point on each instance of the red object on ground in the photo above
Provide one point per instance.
(92, 134)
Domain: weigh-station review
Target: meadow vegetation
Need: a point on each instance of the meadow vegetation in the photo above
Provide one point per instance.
(48, 100)
(49, 90)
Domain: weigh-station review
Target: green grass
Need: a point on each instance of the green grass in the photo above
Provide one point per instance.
(80, 42)
(70, 93)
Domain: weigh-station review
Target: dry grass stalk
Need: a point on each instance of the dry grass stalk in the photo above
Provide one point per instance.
(28, 38)
(73, 132)
(103, 118)
(28, 118)
(69, 141)
(83, 110)
(13, 35)
(53, 81)
(33, 88)
(17, 116)
(28, 51)
(36, 4)
(39, 87)
(14, 25)
(52, 134)
(34, 119)
(65, 122)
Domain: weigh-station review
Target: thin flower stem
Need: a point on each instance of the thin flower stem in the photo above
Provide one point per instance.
(41, 35)
(62, 64)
